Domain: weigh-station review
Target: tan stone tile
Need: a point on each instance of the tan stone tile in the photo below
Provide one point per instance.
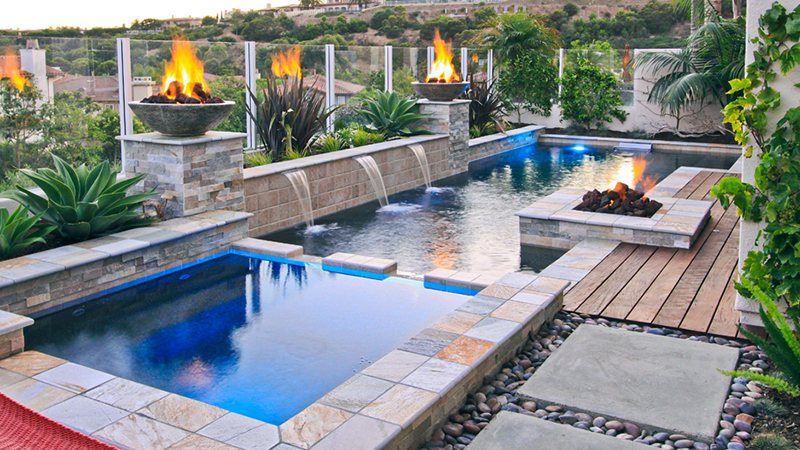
(36, 395)
(312, 424)
(140, 433)
(498, 291)
(395, 366)
(195, 442)
(183, 412)
(457, 322)
(515, 311)
(400, 404)
(7, 378)
(126, 394)
(465, 350)
(546, 285)
(30, 363)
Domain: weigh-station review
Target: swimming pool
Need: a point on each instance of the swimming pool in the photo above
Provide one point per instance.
(264, 338)
(467, 222)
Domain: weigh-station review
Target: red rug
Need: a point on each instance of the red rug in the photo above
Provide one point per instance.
(22, 428)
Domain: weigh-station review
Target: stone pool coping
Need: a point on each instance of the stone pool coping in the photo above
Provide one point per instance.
(553, 222)
(392, 404)
(657, 146)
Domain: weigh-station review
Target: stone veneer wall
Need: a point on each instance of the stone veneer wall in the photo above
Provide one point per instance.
(338, 182)
(45, 280)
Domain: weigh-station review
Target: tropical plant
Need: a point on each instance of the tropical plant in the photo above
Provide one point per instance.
(330, 143)
(530, 80)
(257, 158)
(589, 96)
(770, 274)
(390, 115)
(700, 71)
(487, 105)
(289, 115)
(83, 203)
(18, 231)
(512, 34)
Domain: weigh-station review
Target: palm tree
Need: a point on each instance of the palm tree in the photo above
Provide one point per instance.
(513, 34)
(700, 71)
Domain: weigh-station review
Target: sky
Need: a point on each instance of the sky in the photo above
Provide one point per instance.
(19, 14)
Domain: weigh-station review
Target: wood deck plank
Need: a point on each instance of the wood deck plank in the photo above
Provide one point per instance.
(692, 185)
(711, 293)
(577, 295)
(684, 292)
(630, 295)
(617, 280)
(726, 318)
(703, 191)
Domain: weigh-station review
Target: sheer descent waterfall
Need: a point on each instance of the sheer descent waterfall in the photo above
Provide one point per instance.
(374, 174)
(299, 182)
(419, 152)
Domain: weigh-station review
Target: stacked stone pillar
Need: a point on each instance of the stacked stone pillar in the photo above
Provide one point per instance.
(451, 118)
(201, 173)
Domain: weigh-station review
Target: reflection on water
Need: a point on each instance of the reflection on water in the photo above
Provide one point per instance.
(467, 222)
(259, 338)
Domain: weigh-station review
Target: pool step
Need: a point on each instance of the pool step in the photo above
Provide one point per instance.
(459, 279)
(358, 262)
(269, 248)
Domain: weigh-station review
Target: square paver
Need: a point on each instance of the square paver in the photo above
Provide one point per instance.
(400, 405)
(30, 363)
(359, 433)
(512, 431)
(492, 329)
(428, 342)
(457, 322)
(312, 424)
(356, 393)
(141, 433)
(437, 375)
(652, 381)
(74, 377)
(183, 412)
(395, 366)
(263, 436)
(126, 394)
(36, 395)
(84, 414)
(229, 426)
(480, 305)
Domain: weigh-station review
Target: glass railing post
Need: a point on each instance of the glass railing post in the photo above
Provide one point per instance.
(125, 92)
(330, 84)
(464, 60)
(387, 68)
(250, 81)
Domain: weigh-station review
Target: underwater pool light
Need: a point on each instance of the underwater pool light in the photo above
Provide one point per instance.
(578, 148)
(184, 276)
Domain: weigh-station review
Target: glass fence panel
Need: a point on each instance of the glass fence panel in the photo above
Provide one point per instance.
(614, 61)
(359, 70)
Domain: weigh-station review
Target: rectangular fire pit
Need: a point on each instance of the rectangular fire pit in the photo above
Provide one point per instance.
(552, 222)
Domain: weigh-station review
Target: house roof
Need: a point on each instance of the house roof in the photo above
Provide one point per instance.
(317, 82)
(51, 71)
(98, 88)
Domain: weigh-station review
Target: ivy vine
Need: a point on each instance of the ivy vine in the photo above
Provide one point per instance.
(775, 268)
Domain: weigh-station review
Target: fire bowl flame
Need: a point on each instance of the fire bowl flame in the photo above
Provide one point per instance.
(440, 92)
(182, 119)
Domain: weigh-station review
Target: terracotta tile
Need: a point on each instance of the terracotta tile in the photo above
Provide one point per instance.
(400, 405)
(183, 412)
(498, 291)
(515, 311)
(30, 363)
(465, 350)
(457, 322)
(312, 424)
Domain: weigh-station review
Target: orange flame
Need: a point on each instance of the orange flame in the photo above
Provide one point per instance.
(287, 63)
(648, 183)
(442, 69)
(184, 68)
(10, 69)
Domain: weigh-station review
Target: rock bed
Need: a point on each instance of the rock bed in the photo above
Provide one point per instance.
(499, 393)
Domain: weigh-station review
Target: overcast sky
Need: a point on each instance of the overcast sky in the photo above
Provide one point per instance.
(26, 14)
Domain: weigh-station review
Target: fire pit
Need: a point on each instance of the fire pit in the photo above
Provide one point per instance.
(186, 106)
(620, 200)
(442, 83)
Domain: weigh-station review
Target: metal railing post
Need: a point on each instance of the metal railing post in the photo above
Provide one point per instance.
(387, 68)
(431, 58)
(330, 84)
(125, 92)
(490, 66)
(250, 81)
(561, 53)
(464, 61)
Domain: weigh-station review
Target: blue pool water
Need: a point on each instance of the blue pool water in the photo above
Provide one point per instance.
(261, 338)
(467, 222)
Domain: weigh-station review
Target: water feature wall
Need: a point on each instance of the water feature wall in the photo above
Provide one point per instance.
(336, 181)
(419, 152)
(299, 182)
(375, 177)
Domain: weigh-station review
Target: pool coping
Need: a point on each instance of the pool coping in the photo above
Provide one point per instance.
(413, 386)
(657, 146)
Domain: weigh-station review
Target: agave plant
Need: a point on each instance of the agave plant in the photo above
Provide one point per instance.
(83, 203)
(289, 115)
(387, 113)
(18, 231)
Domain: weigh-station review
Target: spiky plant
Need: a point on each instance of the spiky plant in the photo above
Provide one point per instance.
(487, 106)
(258, 158)
(330, 143)
(18, 231)
(768, 407)
(770, 441)
(392, 116)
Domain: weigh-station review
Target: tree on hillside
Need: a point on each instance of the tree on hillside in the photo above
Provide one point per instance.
(513, 34)
(571, 9)
(310, 4)
(208, 21)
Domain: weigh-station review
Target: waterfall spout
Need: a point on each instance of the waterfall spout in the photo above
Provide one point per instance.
(374, 174)
(419, 152)
(299, 182)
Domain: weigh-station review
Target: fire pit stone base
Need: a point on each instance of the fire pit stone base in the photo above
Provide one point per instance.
(451, 118)
(553, 222)
(202, 173)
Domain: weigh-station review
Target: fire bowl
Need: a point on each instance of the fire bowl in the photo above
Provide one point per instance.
(440, 92)
(182, 119)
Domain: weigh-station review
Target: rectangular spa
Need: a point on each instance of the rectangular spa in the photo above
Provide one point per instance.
(263, 337)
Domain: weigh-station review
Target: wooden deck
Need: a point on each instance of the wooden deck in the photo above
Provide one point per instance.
(686, 289)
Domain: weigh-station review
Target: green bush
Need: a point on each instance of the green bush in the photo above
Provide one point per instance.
(257, 158)
(589, 96)
(83, 203)
(770, 441)
(571, 9)
(360, 137)
(18, 232)
(330, 143)
(390, 115)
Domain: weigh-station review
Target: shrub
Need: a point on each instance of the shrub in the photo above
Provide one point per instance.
(83, 203)
(258, 158)
(18, 232)
(589, 96)
(768, 407)
(530, 80)
(571, 9)
(487, 106)
(769, 441)
(361, 137)
(289, 116)
(390, 115)
(330, 143)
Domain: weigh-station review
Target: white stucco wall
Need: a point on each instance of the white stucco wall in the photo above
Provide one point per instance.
(790, 98)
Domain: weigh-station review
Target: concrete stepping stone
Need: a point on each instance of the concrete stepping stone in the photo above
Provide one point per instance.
(512, 431)
(652, 381)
